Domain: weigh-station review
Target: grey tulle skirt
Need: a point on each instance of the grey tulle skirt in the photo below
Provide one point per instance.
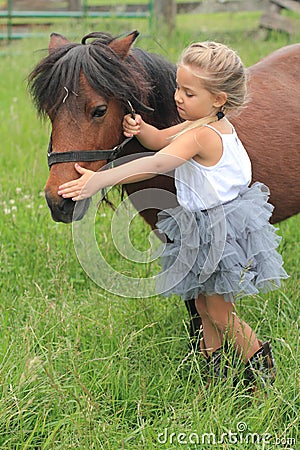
(228, 250)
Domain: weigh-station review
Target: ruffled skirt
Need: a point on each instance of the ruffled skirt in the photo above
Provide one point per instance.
(228, 250)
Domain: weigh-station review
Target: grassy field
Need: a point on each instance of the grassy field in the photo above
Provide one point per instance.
(84, 369)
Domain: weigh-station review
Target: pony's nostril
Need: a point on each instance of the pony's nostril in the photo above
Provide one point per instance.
(75, 210)
(66, 205)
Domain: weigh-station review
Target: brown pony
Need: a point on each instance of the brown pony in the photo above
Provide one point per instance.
(84, 89)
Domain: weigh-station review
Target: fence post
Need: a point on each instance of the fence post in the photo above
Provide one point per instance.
(85, 8)
(74, 5)
(165, 14)
(9, 20)
(150, 11)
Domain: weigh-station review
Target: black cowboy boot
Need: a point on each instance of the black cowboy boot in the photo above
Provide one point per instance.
(218, 365)
(196, 333)
(195, 328)
(260, 369)
(223, 363)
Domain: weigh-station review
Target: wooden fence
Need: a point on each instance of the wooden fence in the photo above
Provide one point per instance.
(10, 14)
(49, 9)
(272, 19)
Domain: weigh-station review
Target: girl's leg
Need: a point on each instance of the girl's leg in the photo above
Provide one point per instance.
(221, 320)
(213, 338)
(223, 316)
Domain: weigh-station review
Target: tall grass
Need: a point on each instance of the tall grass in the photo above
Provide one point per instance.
(83, 369)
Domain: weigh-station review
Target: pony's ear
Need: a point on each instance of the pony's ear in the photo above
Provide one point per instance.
(56, 41)
(122, 46)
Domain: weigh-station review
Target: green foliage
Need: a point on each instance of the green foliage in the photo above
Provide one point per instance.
(83, 369)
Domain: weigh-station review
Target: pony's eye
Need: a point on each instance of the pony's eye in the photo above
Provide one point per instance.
(99, 111)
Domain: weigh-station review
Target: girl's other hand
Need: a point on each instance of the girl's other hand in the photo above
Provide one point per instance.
(80, 188)
(131, 127)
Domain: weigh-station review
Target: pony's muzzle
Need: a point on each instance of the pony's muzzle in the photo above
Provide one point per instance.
(63, 210)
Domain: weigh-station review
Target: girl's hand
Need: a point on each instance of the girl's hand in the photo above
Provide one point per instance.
(81, 188)
(131, 127)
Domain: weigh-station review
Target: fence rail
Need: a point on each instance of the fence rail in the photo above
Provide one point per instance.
(85, 12)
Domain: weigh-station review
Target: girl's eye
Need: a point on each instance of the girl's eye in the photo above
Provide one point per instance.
(99, 111)
(188, 94)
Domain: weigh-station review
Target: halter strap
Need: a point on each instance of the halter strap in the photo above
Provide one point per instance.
(85, 155)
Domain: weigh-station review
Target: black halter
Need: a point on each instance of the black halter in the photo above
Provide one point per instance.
(85, 155)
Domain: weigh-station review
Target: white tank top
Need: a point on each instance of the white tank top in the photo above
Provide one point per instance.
(201, 187)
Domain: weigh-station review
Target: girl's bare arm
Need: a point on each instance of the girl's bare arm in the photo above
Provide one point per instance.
(148, 135)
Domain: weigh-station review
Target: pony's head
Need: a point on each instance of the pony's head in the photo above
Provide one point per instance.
(84, 89)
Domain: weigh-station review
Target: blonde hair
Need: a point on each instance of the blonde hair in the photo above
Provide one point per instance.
(220, 69)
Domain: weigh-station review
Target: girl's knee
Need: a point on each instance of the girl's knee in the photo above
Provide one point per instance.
(220, 312)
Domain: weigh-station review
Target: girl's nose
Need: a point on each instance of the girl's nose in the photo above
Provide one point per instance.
(177, 97)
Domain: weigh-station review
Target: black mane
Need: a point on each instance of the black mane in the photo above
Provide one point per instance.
(142, 78)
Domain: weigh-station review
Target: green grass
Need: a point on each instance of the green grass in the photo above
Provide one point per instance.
(83, 369)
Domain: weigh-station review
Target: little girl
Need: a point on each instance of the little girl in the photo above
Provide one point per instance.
(221, 227)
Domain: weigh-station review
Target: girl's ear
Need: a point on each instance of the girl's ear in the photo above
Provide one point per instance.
(220, 100)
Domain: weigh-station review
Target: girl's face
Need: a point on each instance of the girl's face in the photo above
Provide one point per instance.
(192, 100)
